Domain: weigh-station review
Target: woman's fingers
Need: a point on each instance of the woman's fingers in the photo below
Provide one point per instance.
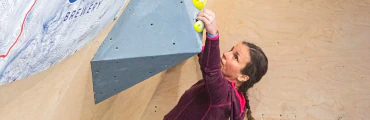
(205, 10)
(209, 17)
(201, 13)
(205, 20)
(209, 20)
(209, 12)
(212, 13)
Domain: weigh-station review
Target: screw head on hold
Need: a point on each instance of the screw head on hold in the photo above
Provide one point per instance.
(199, 3)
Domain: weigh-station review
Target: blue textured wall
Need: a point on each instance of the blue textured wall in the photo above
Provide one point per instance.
(149, 37)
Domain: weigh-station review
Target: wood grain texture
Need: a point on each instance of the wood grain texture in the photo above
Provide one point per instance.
(174, 81)
(318, 58)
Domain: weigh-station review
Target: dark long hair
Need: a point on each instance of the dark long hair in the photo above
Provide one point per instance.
(255, 69)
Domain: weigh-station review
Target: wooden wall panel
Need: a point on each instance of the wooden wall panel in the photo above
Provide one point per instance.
(318, 58)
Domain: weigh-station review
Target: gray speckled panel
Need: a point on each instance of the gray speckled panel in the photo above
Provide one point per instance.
(149, 37)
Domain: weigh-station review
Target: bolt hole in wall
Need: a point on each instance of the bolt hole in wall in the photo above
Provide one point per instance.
(116, 48)
(283, 116)
(110, 39)
(173, 43)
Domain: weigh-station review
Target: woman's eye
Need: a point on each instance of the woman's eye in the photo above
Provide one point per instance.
(236, 57)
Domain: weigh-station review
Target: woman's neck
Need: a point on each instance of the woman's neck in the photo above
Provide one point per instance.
(237, 84)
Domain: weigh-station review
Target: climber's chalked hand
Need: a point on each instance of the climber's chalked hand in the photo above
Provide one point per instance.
(208, 17)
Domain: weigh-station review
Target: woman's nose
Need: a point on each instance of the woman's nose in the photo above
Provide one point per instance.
(226, 55)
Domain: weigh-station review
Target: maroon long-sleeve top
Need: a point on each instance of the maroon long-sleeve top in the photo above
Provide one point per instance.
(213, 97)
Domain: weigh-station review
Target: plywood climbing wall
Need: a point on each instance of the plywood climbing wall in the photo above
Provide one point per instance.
(318, 58)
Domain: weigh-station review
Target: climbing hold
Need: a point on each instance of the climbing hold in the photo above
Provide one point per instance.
(199, 26)
(199, 4)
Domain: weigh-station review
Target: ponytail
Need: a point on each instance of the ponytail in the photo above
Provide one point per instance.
(249, 115)
(249, 112)
(244, 89)
(255, 69)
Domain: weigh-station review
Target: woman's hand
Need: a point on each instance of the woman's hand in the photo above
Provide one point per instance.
(209, 20)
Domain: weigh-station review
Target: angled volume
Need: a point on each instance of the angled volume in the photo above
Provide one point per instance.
(149, 37)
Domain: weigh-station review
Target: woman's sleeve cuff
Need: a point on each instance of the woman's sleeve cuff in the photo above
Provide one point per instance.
(213, 37)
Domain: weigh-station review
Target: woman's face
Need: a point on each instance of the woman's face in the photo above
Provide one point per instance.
(233, 61)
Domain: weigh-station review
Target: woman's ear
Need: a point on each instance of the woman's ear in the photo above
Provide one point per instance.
(243, 78)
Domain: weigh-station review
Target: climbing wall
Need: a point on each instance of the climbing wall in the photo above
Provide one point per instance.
(37, 34)
(150, 36)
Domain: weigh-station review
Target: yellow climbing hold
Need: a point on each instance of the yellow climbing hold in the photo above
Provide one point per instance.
(199, 26)
(199, 4)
